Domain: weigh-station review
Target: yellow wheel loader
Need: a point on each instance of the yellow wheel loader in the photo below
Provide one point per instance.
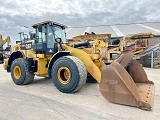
(47, 54)
(112, 48)
(4, 52)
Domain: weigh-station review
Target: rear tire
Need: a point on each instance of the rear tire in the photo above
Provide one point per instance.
(90, 79)
(76, 74)
(19, 72)
(1, 58)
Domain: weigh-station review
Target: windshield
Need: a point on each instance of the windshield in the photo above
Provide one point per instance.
(58, 33)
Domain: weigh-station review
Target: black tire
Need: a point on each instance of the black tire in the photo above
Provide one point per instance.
(26, 77)
(1, 58)
(90, 79)
(77, 70)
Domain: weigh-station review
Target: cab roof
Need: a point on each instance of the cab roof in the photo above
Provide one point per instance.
(49, 22)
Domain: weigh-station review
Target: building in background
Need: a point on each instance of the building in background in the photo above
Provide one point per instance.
(149, 58)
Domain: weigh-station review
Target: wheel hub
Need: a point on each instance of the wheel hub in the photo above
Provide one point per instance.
(17, 72)
(64, 75)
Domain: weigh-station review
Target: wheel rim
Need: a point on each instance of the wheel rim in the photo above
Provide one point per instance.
(17, 72)
(64, 75)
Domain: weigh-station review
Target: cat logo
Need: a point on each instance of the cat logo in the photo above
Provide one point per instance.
(50, 50)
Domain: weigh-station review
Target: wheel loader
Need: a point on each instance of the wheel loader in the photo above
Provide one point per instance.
(47, 54)
(4, 52)
(112, 48)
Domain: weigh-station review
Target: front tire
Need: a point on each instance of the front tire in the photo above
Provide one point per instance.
(69, 74)
(19, 72)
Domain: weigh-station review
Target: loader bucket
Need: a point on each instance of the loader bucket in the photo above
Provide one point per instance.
(125, 82)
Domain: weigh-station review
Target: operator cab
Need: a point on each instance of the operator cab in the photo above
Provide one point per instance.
(46, 34)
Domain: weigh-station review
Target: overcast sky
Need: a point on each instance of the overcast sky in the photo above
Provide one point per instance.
(14, 14)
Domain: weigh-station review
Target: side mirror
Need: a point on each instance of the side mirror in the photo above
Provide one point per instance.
(58, 40)
(31, 32)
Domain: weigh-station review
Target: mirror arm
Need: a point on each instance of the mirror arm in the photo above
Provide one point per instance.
(61, 47)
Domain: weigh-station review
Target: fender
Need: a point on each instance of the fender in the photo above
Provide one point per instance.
(13, 56)
(54, 58)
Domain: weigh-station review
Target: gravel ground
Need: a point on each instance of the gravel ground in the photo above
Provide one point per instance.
(41, 100)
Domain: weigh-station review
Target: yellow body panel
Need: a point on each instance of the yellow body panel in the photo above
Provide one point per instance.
(42, 60)
(5, 64)
(15, 47)
(38, 56)
(41, 68)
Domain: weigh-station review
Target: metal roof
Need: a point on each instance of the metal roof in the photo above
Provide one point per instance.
(49, 22)
(118, 30)
(72, 32)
